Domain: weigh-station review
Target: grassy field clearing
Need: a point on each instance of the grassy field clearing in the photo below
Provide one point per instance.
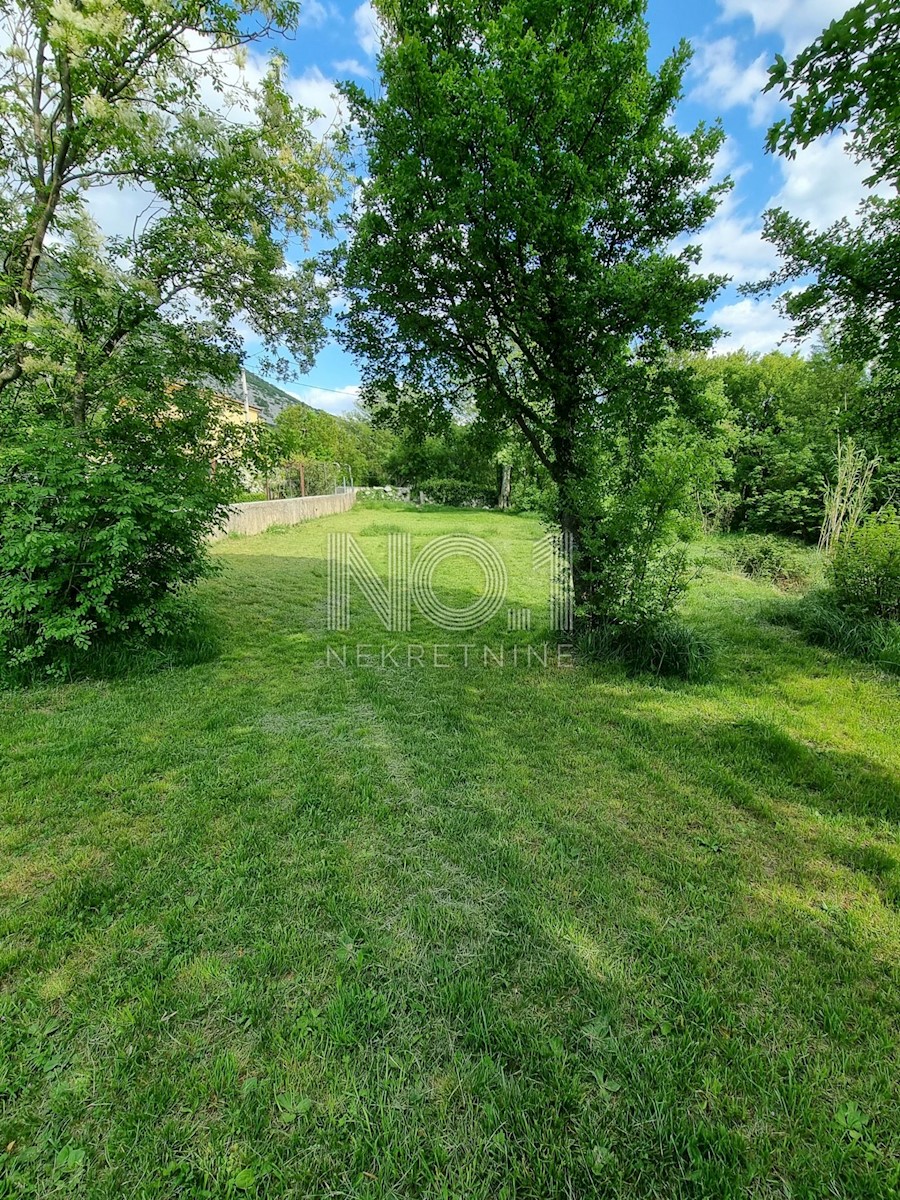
(272, 927)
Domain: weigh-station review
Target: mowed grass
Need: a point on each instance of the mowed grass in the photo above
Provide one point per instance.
(272, 927)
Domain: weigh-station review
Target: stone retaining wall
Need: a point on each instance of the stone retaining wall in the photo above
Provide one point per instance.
(260, 515)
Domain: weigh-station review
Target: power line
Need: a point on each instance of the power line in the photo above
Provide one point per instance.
(315, 386)
(319, 388)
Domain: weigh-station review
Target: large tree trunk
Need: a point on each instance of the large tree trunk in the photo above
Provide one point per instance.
(568, 474)
(505, 483)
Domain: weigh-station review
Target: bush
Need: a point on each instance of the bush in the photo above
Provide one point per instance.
(823, 622)
(103, 526)
(770, 559)
(457, 493)
(865, 572)
(665, 647)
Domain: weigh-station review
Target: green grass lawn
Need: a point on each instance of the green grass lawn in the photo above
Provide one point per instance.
(277, 928)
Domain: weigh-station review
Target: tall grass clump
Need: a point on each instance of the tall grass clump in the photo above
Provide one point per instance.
(847, 499)
(666, 648)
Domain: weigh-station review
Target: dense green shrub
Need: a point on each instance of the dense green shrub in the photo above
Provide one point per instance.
(786, 417)
(102, 526)
(458, 493)
(865, 572)
(771, 559)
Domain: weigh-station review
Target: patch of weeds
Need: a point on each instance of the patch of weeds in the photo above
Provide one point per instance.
(772, 560)
(664, 648)
(818, 617)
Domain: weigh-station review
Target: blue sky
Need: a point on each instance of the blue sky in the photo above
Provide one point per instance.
(734, 41)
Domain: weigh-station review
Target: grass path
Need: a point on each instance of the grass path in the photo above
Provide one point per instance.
(273, 928)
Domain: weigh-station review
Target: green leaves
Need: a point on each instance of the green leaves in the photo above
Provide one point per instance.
(118, 100)
(116, 464)
(69, 1161)
(512, 245)
(244, 1181)
(850, 1121)
(847, 81)
(292, 1107)
(102, 527)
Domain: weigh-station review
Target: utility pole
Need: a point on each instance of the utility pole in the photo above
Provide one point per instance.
(246, 392)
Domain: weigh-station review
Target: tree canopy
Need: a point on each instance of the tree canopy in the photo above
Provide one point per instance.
(149, 95)
(513, 243)
(116, 461)
(846, 81)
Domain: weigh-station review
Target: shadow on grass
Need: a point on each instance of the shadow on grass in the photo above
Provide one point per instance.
(195, 637)
(543, 952)
(448, 934)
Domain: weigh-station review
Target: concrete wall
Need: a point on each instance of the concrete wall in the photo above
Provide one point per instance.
(261, 514)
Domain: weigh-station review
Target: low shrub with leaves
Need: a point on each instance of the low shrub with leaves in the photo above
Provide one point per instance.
(457, 493)
(102, 526)
(864, 574)
(632, 566)
(771, 559)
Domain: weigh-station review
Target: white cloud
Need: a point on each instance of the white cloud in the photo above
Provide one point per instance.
(733, 245)
(368, 28)
(750, 324)
(313, 13)
(798, 22)
(122, 211)
(314, 90)
(728, 162)
(822, 184)
(352, 66)
(338, 402)
(723, 83)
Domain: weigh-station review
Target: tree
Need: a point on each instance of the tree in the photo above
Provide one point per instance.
(116, 463)
(310, 436)
(786, 416)
(847, 80)
(148, 95)
(513, 244)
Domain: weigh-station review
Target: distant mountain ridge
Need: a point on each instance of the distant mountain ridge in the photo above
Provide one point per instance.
(265, 396)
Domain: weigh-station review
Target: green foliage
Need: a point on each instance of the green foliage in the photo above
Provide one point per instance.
(347, 444)
(857, 612)
(865, 571)
(785, 416)
(775, 560)
(458, 455)
(511, 250)
(635, 500)
(825, 622)
(116, 461)
(85, 107)
(457, 493)
(847, 80)
(101, 528)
